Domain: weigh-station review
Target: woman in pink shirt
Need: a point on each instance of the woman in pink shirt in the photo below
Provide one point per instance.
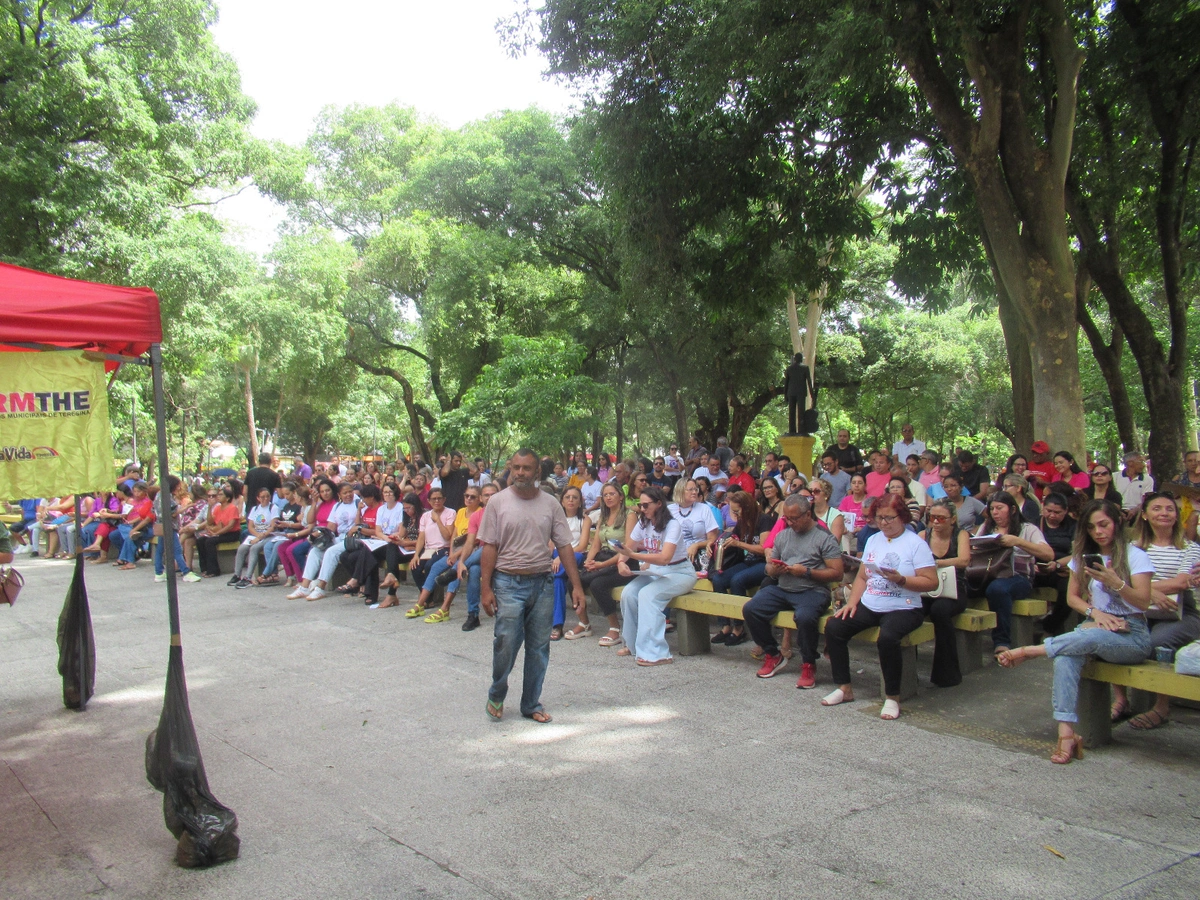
(1069, 471)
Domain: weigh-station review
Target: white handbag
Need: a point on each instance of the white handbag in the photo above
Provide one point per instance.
(947, 583)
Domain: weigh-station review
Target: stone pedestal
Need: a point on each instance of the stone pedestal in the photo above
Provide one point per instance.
(799, 448)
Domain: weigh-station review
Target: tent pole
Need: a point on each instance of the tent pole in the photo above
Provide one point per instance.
(167, 538)
(85, 622)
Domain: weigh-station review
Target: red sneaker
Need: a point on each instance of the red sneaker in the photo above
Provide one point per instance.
(808, 676)
(772, 663)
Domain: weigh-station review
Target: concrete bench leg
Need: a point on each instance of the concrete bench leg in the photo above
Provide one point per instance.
(970, 650)
(1095, 722)
(908, 675)
(1024, 631)
(691, 632)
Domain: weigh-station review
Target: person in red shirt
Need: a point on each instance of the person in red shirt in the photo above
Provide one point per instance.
(738, 476)
(1040, 471)
(136, 526)
(880, 474)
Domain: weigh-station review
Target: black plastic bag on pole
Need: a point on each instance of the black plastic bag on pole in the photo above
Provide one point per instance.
(205, 828)
(76, 643)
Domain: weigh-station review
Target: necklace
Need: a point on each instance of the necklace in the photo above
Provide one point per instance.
(684, 515)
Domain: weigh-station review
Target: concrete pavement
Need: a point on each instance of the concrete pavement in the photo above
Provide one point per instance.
(354, 747)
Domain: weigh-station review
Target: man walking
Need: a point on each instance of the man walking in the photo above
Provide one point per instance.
(516, 582)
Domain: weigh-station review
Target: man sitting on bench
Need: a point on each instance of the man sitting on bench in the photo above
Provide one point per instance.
(805, 560)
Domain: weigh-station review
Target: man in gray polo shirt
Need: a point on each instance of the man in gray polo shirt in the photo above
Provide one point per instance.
(806, 559)
(515, 580)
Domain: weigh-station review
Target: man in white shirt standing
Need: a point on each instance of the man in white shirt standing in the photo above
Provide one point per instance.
(1133, 483)
(906, 445)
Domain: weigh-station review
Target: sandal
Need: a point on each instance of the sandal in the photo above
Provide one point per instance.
(1010, 659)
(612, 639)
(556, 633)
(836, 698)
(415, 612)
(388, 603)
(1148, 721)
(624, 651)
(890, 711)
(1119, 711)
(348, 588)
(434, 618)
(579, 631)
(1062, 755)
(495, 711)
(540, 716)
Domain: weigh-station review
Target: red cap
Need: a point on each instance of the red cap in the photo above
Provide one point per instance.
(1040, 447)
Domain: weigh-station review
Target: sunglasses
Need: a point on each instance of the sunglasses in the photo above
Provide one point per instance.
(1157, 495)
(939, 518)
(1099, 474)
(644, 505)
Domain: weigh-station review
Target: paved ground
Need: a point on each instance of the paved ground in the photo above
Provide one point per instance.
(354, 747)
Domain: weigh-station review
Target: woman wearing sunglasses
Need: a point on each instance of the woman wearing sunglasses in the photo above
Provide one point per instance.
(1102, 486)
(656, 542)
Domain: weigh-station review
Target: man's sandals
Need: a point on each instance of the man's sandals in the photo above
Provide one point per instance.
(495, 712)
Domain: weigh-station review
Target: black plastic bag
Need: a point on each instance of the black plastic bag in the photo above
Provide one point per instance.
(205, 828)
(76, 644)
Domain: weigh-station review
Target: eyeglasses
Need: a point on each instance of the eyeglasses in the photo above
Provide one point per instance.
(796, 518)
(886, 520)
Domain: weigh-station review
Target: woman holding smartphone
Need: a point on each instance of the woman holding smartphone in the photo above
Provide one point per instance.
(1110, 587)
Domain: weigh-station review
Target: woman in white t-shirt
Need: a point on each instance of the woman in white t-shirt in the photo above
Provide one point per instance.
(1003, 518)
(1113, 597)
(897, 567)
(657, 543)
(260, 523)
(1173, 619)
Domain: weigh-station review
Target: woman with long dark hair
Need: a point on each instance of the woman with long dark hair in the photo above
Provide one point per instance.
(1068, 470)
(600, 573)
(656, 541)
(1112, 592)
(737, 576)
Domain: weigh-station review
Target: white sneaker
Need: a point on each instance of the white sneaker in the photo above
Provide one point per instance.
(191, 577)
(160, 579)
(300, 593)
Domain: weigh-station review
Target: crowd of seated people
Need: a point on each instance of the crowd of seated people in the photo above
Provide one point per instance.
(881, 539)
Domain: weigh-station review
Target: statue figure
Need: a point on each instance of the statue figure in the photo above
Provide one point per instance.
(801, 396)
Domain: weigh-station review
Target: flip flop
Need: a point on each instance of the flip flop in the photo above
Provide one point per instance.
(495, 711)
(540, 716)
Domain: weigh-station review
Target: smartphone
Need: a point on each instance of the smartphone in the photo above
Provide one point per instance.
(615, 544)
(1093, 559)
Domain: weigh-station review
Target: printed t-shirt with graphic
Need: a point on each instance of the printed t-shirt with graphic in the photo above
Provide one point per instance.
(695, 522)
(654, 540)
(904, 554)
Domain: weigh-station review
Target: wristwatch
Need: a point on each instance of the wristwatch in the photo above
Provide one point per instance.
(1088, 612)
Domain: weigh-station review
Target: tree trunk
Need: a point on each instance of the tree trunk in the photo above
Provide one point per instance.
(1020, 366)
(249, 392)
(1108, 358)
(620, 412)
(420, 445)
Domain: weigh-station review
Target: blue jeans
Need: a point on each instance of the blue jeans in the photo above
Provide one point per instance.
(524, 607)
(740, 577)
(561, 583)
(180, 565)
(474, 584)
(439, 566)
(271, 557)
(1000, 596)
(643, 608)
(129, 547)
(1070, 652)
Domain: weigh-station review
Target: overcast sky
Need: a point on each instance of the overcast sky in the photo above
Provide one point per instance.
(299, 56)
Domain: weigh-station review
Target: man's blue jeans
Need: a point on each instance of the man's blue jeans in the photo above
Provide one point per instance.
(524, 609)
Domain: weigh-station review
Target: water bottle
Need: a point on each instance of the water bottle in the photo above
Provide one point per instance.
(1164, 654)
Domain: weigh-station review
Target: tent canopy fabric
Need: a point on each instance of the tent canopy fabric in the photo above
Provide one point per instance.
(37, 308)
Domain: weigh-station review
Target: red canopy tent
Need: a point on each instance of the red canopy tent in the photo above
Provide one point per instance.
(53, 311)
(39, 311)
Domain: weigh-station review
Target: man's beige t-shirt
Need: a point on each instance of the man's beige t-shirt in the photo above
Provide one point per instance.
(521, 530)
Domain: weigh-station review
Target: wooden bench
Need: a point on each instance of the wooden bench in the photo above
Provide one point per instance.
(1095, 692)
(692, 628)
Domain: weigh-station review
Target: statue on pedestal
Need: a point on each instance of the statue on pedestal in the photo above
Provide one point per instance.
(801, 396)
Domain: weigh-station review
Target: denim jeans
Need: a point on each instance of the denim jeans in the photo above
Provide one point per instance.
(474, 584)
(439, 566)
(740, 577)
(1070, 652)
(643, 608)
(1000, 596)
(129, 547)
(271, 556)
(561, 589)
(180, 565)
(524, 608)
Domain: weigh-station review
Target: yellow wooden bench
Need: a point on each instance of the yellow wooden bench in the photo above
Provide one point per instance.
(1095, 692)
(1026, 614)
(694, 609)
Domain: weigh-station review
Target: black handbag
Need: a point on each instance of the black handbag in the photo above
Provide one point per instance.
(352, 542)
(322, 538)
